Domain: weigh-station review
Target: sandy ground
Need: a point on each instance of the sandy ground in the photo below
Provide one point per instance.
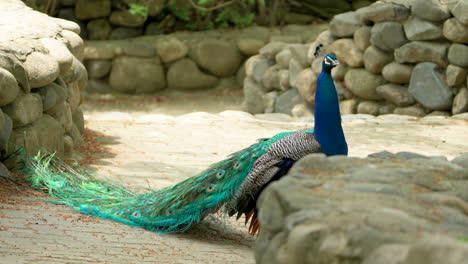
(155, 141)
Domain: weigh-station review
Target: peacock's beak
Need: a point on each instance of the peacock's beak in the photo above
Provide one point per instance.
(335, 62)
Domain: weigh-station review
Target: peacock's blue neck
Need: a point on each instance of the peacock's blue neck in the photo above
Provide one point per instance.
(327, 126)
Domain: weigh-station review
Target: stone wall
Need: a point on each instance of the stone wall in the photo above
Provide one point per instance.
(111, 19)
(183, 60)
(41, 79)
(385, 209)
(408, 58)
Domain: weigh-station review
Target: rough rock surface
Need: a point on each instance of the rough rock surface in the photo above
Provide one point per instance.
(185, 74)
(388, 208)
(422, 51)
(388, 36)
(428, 87)
(344, 25)
(363, 83)
(383, 12)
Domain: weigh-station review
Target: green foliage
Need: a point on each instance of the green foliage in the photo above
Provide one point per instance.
(136, 9)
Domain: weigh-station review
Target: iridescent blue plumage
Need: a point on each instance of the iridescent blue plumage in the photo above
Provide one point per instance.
(233, 184)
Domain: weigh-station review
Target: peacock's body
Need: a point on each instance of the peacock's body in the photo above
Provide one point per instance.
(234, 183)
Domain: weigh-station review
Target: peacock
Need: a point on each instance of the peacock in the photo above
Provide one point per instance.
(233, 184)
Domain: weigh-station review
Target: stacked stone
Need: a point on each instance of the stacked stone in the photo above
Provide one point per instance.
(41, 79)
(396, 58)
(107, 19)
(385, 209)
(181, 61)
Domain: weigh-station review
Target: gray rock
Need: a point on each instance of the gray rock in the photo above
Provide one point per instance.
(363, 83)
(271, 78)
(388, 36)
(344, 25)
(5, 131)
(395, 94)
(301, 111)
(74, 96)
(284, 80)
(250, 46)
(294, 69)
(418, 29)
(422, 51)
(77, 72)
(460, 102)
(431, 10)
(271, 49)
(256, 66)
(339, 72)
(434, 249)
(15, 67)
(382, 12)
(170, 49)
(348, 107)
(147, 75)
(455, 75)
(68, 145)
(133, 48)
(126, 19)
(375, 59)
(269, 100)
(362, 37)
(42, 69)
(125, 33)
(439, 113)
(306, 83)
(386, 109)
(414, 110)
(253, 97)
(98, 69)
(283, 57)
(368, 108)
(62, 113)
(185, 74)
(289, 39)
(98, 29)
(45, 133)
(461, 160)
(87, 9)
(460, 11)
(74, 43)
(78, 120)
(428, 87)
(154, 28)
(9, 88)
(52, 95)
(397, 73)
(59, 51)
(218, 57)
(458, 55)
(286, 101)
(347, 52)
(299, 53)
(455, 31)
(26, 109)
(388, 253)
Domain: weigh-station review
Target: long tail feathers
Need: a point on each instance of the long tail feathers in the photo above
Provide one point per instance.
(169, 210)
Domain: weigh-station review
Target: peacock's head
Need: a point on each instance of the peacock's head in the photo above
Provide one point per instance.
(329, 62)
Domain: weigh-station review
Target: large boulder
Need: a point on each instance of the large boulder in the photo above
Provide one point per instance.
(306, 84)
(42, 69)
(362, 37)
(363, 83)
(455, 31)
(286, 101)
(98, 68)
(455, 75)
(126, 19)
(397, 73)
(99, 29)
(26, 109)
(429, 88)
(170, 49)
(9, 88)
(419, 29)
(458, 55)
(256, 66)
(136, 74)
(253, 97)
(383, 12)
(395, 94)
(388, 36)
(347, 52)
(432, 10)
(460, 11)
(344, 25)
(219, 57)
(184, 74)
(422, 51)
(375, 59)
(460, 102)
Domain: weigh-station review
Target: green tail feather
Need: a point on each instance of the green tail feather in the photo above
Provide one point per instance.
(172, 209)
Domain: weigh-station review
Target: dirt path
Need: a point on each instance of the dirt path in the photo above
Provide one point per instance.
(158, 141)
